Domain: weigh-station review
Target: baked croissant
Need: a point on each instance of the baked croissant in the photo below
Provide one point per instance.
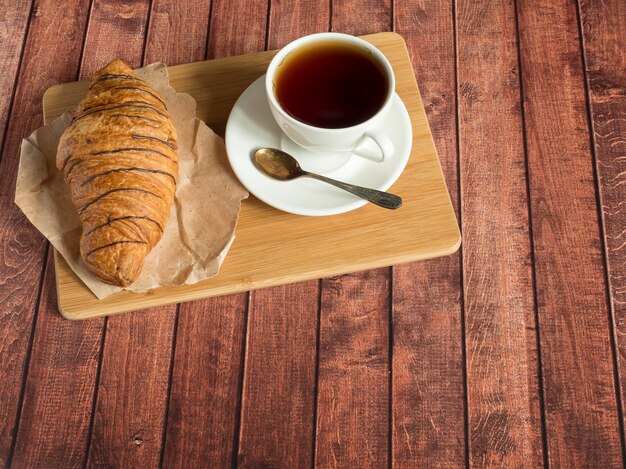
(118, 158)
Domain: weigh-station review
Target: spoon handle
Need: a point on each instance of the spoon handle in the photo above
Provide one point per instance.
(382, 199)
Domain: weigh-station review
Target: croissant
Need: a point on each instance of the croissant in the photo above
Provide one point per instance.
(118, 158)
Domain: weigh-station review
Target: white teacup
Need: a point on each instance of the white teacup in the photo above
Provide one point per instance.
(330, 141)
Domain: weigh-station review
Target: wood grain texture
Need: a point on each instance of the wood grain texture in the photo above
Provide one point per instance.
(291, 19)
(132, 392)
(353, 400)
(281, 350)
(57, 410)
(178, 31)
(14, 18)
(604, 33)
(203, 412)
(21, 247)
(362, 239)
(353, 411)
(574, 317)
(581, 420)
(206, 381)
(116, 31)
(427, 372)
(277, 424)
(358, 17)
(129, 415)
(237, 27)
(502, 366)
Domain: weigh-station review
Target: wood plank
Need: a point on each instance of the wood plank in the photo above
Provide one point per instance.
(504, 423)
(604, 33)
(278, 396)
(203, 408)
(290, 20)
(131, 396)
(353, 418)
(57, 410)
(116, 31)
(14, 18)
(358, 17)
(279, 377)
(237, 27)
(582, 420)
(353, 388)
(428, 360)
(130, 411)
(23, 248)
(178, 32)
(205, 394)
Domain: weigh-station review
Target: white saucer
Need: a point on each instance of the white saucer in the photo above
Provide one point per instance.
(251, 126)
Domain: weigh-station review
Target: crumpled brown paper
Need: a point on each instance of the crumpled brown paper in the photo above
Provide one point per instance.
(202, 221)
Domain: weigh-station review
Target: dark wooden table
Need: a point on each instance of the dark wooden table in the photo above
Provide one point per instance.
(511, 353)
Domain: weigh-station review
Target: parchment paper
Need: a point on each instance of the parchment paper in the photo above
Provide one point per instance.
(201, 226)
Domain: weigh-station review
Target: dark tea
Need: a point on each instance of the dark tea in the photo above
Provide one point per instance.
(331, 84)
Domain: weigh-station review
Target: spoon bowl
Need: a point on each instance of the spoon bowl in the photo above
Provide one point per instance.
(277, 164)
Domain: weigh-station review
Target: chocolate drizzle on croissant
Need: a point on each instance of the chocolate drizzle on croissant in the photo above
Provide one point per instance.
(118, 158)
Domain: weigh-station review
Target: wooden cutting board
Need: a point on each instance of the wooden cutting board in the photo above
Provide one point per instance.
(273, 247)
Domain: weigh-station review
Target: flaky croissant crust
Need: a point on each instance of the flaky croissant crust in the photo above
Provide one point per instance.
(119, 159)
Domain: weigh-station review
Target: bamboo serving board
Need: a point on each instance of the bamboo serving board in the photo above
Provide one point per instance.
(273, 247)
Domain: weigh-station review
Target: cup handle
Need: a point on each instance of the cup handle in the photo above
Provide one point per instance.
(382, 141)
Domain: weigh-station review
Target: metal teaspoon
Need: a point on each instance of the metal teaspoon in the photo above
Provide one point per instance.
(282, 166)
